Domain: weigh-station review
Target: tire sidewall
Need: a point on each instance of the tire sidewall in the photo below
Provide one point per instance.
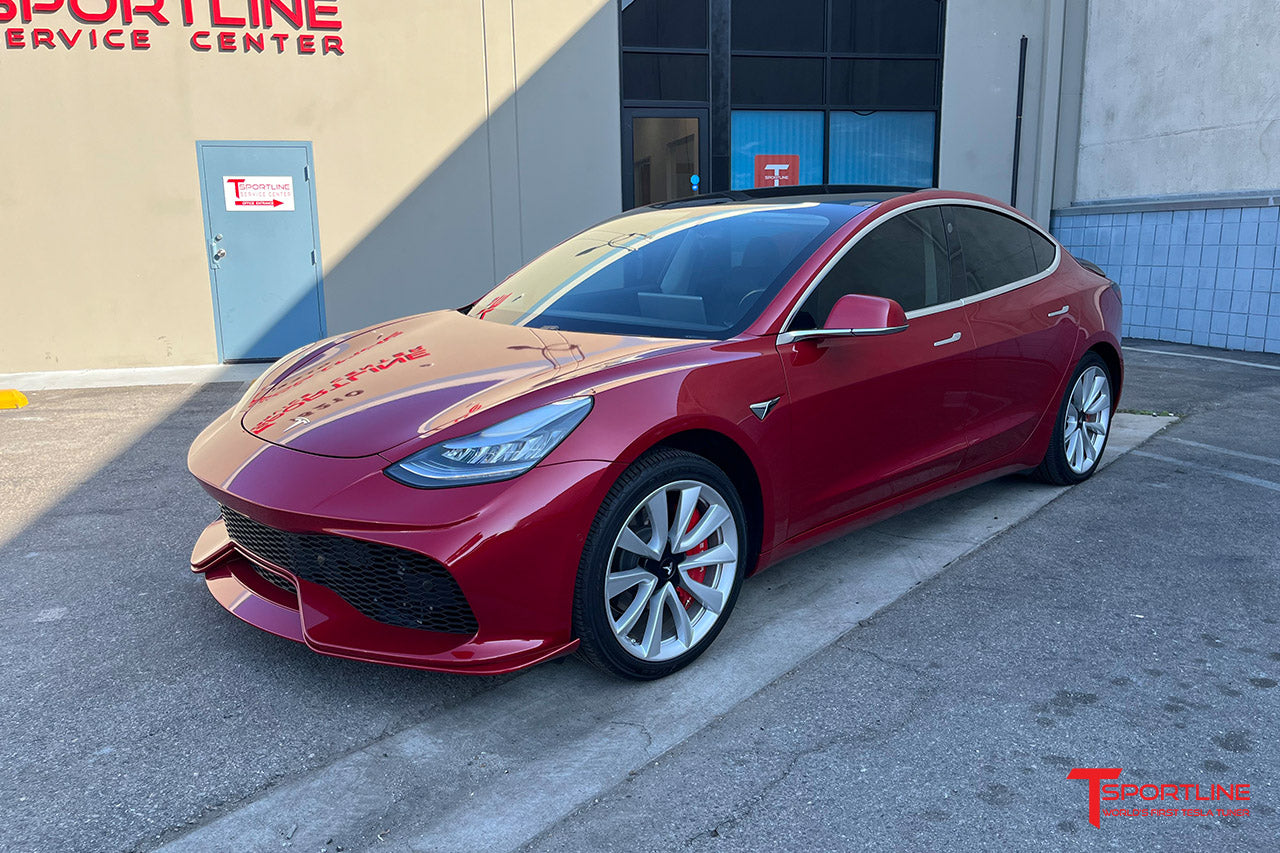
(591, 623)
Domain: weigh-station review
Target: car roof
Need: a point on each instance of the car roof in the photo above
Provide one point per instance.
(862, 195)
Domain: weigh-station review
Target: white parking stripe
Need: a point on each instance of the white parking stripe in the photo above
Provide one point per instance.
(1270, 460)
(1203, 357)
(1230, 475)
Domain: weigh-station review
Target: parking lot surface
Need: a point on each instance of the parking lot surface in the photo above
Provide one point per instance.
(924, 684)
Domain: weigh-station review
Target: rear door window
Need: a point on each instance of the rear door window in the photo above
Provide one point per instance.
(997, 249)
(904, 258)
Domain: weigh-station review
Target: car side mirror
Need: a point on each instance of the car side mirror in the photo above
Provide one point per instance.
(856, 315)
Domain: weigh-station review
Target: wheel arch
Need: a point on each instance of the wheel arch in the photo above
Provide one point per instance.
(727, 455)
(1115, 366)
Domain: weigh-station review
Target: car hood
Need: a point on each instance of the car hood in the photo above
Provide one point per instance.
(379, 388)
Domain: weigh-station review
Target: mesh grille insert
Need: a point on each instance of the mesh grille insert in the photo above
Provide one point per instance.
(387, 584)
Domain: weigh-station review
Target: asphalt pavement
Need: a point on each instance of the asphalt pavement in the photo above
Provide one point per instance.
(1129, 622)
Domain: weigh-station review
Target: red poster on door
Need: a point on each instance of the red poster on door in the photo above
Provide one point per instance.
(777, 170)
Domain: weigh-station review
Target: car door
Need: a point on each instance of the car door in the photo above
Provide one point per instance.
(1024, 321)
(874, 417)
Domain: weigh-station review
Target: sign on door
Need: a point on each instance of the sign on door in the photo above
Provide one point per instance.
(777, 170)
(257, 193)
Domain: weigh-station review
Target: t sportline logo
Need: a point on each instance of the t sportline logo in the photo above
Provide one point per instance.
(1181, 796)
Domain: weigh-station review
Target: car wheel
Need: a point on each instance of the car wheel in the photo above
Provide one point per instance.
(1082, 427)
(661, 567)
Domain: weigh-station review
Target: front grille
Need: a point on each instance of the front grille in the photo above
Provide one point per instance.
(387, 584)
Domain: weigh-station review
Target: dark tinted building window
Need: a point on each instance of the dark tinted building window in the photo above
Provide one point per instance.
(779, 25)
(664, 77)
(997, 249)
(884, 82)
(904, 259)
(768, 80)
(886, 26)
(665, 23)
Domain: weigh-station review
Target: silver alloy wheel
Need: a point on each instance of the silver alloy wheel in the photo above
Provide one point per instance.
(1088, 418)
(671, 570)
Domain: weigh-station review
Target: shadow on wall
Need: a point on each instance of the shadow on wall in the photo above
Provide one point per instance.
(539, 169)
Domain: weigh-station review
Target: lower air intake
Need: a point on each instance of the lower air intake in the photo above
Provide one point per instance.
(389, 585)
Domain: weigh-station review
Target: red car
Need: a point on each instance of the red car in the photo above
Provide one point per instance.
(595, 454)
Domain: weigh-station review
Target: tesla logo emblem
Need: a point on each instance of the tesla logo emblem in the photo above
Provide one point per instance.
(297, 422)
(762, 410)
(777, 170)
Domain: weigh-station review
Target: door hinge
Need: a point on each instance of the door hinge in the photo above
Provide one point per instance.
(306, 174)
(313, 258)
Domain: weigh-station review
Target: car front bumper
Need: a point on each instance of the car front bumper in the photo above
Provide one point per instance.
(513, 548)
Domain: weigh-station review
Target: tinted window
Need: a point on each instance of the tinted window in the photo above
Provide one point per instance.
(884, 82)
(703, 272)
(1044, 251)
(769, 80)
(904, 258)
(665, 23)
(664, 76)
(998, 250)
(781, 25)
(886, 26)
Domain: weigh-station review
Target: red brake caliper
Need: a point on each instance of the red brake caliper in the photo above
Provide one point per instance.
(700, 574)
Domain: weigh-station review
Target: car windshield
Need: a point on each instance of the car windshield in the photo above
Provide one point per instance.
(686, 272)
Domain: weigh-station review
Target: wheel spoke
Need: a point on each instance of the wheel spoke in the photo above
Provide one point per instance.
(715, 516)
(619, 582)
(628, 619)
(657, 507)
(708, 596)
(652, 642)
(722, 553)
(1097, 395)
(684, 628)
(685, 506)
(629, 541)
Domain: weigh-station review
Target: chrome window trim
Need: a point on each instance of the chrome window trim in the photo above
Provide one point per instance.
(954, 303)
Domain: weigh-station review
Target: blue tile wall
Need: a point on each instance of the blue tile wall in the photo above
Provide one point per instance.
(1206, 277)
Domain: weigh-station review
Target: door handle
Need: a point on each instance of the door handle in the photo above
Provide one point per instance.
(945, 341)
(1064, 309)
(220, 254)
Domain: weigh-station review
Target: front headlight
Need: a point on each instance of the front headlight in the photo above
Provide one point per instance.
(502, 451)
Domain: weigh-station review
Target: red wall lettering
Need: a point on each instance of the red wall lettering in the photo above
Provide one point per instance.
(78, 12)
(221, 20)
(291, 10)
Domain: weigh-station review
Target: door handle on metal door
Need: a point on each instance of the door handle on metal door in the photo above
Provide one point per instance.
(1064, 309)
(220, 254)
(945, 341)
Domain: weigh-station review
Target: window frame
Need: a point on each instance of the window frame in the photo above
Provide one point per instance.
(952, 304)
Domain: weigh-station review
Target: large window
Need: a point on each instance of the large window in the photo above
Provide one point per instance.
(766, 72)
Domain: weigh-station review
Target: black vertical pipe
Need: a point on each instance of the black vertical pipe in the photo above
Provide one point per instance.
(721, 93)
(1017, 127)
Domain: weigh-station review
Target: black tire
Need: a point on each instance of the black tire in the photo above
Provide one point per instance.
(591, 620)
(1055, 468)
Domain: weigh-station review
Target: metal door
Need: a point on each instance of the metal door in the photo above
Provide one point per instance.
(262, 246)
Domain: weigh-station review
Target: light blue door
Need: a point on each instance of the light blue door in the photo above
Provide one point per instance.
(262, 246)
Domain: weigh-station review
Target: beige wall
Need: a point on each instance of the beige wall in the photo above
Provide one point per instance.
(453, 140)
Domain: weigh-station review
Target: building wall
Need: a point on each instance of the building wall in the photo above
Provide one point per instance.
(1179, 99)
(1177, 166)
(980, 99)
(453, 140)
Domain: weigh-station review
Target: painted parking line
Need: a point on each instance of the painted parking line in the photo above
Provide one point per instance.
(496, 771)
(1219, 472)
(1252, 457)
(1203, 357)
